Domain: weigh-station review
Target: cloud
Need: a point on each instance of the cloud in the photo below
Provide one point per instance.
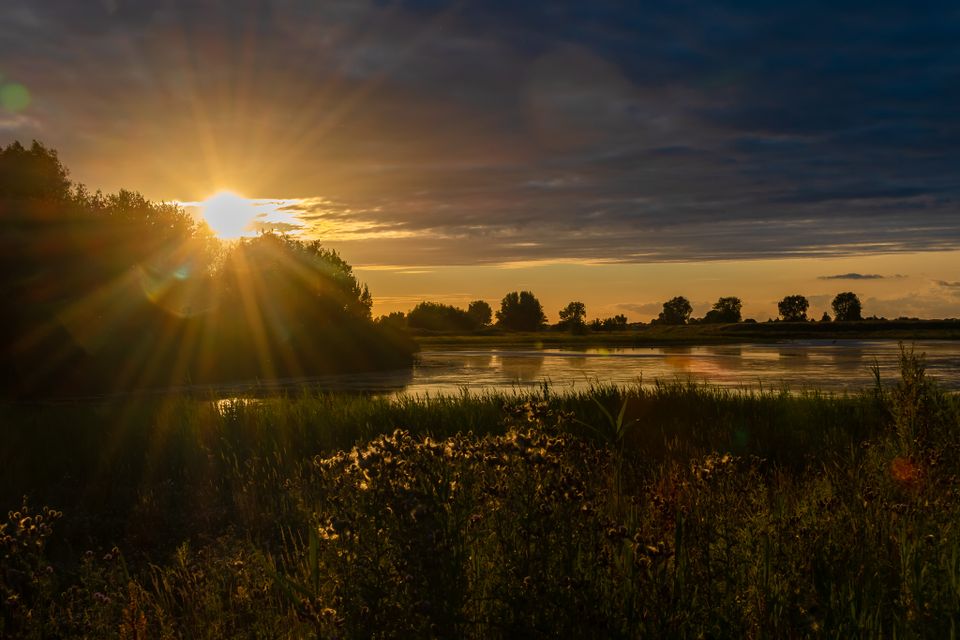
(485, 133)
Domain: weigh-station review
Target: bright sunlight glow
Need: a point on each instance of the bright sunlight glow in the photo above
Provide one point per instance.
(229, 215)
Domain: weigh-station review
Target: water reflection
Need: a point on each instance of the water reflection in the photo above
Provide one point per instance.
(525, 368)
(794, 357)
(727, 357)
(823, 365)
(849, 358)
(577, 361)
(478, 361)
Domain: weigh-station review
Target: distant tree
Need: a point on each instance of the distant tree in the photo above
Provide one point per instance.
(573, 316)
(675, 311)
(846, 307)
(825, 317)
(396, 319)
(724, 310)
(481, 312)
(616, 323)
(521, 311)
(793, 308)
(440, 317)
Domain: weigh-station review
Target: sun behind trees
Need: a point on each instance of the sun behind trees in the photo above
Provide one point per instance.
(111, 292)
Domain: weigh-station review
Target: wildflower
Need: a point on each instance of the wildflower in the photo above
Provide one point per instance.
(905, 472)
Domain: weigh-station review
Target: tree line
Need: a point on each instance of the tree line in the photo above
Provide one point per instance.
(107, 292)
(522, 311)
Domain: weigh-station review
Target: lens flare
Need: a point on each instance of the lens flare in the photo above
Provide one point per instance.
(14, 97)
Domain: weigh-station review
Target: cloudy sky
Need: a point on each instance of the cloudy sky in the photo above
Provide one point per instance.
(616, 153)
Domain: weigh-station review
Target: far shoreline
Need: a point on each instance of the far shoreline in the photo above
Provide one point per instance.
(700, 334)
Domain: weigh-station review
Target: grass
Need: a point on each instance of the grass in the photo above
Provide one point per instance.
(677, 511)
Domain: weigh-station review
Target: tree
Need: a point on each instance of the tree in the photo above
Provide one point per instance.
(521, 311)
(846, 307)
(825, 317)
(396, 319)
(616, 323)
(675, 311)
(724, 310)
(793, 308)
(300, 277)
(99, 288)
(440, 317)
(573, 316)
(34, 173)
(481, 312)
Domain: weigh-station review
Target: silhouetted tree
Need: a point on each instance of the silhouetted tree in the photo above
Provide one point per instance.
(114, 291)
(846, 306)
(440, 317)
(793, 308)
(616, 323)
(396, 319)
(675, 311)
(32, 174)
(521, 311)
(724, 310)
(573, 316)
(825, 317)
(302, 280)
(481, 312)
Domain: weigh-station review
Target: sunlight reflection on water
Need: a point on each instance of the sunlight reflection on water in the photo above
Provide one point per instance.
(832, 366)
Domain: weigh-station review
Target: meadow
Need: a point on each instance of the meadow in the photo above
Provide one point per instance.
(671, 511)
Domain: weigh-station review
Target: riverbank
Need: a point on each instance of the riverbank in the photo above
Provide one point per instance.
(673, 511)
(703, 334)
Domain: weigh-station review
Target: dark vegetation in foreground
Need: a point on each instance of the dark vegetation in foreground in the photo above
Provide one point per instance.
(112, 292)
(674, 511)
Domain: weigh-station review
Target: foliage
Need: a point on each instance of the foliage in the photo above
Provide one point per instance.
(725, 310)
(521, 311)
(675, 311)
(793, 308)
(481, 312)
(615, 323)
(304, 281)
(440, 317)
(394, 319)
(32, 174)
(573, 317)
(846, 307)
(112, 292)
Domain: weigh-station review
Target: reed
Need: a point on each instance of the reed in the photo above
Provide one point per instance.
(676, 510)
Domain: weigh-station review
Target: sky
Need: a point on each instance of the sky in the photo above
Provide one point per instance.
(618, 153)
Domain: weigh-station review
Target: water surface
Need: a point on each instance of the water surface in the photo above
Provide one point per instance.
(828, 365)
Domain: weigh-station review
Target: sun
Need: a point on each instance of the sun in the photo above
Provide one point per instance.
(229, 215)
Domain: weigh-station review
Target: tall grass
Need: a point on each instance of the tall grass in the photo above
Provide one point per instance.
(678, 510)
